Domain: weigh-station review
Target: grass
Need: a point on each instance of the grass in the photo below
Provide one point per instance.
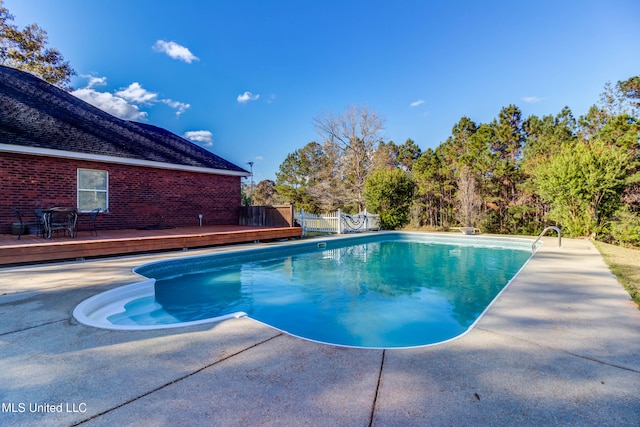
(624, 263)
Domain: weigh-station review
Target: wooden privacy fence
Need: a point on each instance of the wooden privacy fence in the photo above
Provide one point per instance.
(267, 216)
(337, 222)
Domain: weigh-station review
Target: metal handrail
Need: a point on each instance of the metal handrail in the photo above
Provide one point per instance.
(551, 227)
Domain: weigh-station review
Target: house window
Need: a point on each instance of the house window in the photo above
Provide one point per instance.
(93, 190)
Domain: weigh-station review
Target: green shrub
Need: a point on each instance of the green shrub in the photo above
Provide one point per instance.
(390, 193)
(625, 228)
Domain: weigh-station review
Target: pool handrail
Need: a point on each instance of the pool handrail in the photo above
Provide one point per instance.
(551, 227)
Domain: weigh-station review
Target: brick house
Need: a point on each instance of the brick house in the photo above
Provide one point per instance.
(57, 150)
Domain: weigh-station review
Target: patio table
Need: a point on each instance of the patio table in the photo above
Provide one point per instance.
(60, 218)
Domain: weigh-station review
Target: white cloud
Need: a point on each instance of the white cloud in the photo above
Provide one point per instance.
(110, 103)
(137, 94)
(259, 158)
(247, 96)
(531, 99)
(204, 137)
(175, 51)
(177, 105)
(94, 81)
(416, 103)
(124, 103)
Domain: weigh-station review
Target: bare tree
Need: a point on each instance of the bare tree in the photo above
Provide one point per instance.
(353, 136)
(265, 193)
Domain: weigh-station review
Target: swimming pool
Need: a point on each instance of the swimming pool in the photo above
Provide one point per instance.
(388, 290)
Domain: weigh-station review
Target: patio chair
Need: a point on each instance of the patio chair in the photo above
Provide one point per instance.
(93, 216)
(39, 221)
(18, 215)
(30, 226)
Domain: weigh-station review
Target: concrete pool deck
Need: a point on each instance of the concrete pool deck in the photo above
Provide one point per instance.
(560, 346)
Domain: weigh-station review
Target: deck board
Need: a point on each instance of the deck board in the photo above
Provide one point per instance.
(33, 248)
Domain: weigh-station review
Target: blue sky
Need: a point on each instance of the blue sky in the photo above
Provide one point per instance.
(246, 78)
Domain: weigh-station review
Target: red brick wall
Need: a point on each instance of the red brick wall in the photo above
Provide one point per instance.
(138, 196)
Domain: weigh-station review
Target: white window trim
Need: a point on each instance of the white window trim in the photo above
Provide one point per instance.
(78, 189)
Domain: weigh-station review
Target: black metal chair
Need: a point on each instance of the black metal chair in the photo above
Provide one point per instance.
(39, 221)
(18, 215)
(30, 226)
(93, 216)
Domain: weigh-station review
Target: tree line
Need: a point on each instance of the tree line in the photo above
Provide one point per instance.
(512, 175)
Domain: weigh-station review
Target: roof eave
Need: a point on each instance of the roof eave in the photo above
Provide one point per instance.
(46, 152)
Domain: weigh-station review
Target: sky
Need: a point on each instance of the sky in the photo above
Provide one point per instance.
(246, 79)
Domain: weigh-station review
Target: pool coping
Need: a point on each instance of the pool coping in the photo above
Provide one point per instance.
(559, 346)
(95, 310)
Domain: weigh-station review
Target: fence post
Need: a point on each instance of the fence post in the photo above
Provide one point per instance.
(366, 220)
(339, 221)
(292, 219)
(304, 228)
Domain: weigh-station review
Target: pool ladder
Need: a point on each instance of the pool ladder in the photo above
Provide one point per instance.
(551, 227)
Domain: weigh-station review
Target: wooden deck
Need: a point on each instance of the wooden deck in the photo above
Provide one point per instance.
(33, 248)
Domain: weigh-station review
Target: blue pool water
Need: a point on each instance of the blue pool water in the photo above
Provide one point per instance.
(387, 291)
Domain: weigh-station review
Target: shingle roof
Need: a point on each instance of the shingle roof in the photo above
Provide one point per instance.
(36, 114)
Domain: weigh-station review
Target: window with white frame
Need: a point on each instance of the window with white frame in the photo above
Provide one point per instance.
(93, 190)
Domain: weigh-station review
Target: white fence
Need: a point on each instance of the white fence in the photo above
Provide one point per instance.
(337, 222)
